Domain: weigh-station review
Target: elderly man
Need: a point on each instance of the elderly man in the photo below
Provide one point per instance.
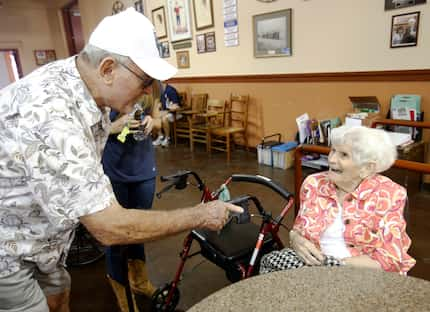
(53, 126)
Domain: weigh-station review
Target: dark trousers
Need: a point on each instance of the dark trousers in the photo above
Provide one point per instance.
(130, 195)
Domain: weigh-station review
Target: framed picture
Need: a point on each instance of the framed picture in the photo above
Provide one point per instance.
(178, 14)
(165, 49)
(138, 5)
(159, 21)
(201, 43)
(44, 56)
(404, 30)
(210, 42)
(183, 59)
(397, 4)
(272, 34)
(203, 14)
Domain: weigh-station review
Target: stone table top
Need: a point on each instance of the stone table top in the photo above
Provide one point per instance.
(321, 289)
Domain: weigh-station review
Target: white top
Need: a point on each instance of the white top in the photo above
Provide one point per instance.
(332, 242)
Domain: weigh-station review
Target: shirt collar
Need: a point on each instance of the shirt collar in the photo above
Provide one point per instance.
(362, 192)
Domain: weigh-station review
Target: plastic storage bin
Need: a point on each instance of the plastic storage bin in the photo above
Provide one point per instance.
(283, 155)
(264, 149)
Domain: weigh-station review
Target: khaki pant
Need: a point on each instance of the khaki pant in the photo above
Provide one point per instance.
(26, 290)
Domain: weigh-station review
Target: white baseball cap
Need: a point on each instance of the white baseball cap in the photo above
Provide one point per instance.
(131, 34)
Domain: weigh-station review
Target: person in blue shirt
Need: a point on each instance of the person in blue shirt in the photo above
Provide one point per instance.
(170, 102)
(131, 168)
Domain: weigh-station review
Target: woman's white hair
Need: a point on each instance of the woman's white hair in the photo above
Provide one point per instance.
(368, 145)
(94, 55)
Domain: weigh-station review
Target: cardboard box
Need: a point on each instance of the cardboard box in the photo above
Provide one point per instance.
(365, 110)
(353, 119)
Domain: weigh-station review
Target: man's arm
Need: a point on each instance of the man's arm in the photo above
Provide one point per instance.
(116, 225)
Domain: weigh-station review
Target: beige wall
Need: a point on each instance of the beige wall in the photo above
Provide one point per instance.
(28, 25)
(327, 36)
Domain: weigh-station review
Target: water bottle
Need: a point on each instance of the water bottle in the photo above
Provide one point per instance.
(139, 134)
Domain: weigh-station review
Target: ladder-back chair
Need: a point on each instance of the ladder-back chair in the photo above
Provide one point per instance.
(222, 138)
(183, 127)
(214, 117)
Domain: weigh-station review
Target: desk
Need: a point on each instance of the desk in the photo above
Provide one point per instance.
(321, 289)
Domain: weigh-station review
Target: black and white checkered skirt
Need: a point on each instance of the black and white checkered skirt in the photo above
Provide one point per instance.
(286, 259)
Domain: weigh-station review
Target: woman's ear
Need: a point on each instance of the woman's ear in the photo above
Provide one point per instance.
(368, 169)
(107, 69)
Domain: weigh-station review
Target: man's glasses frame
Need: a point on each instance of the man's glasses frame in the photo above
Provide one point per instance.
(147, 81)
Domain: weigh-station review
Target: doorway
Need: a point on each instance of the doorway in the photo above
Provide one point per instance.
(73, 27)
(10, 67)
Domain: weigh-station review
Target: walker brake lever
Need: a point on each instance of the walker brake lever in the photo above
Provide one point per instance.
(167, 187)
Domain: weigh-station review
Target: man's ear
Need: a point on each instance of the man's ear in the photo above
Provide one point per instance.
(368, 169)
(107, 69)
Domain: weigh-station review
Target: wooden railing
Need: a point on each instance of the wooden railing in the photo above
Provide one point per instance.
(324, 150)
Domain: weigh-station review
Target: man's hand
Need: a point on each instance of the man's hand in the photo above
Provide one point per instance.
(305, 249)
(216, 214)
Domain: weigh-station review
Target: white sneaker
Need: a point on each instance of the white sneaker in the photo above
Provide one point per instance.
(158, 140)
(165, 142)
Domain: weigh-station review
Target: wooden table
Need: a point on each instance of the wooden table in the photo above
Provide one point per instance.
(322, 289)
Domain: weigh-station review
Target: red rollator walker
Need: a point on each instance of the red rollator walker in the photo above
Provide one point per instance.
(239, 246)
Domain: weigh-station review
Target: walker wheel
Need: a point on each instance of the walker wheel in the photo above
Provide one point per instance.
(160, 296)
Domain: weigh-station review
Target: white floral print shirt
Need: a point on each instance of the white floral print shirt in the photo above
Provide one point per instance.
(51, 138)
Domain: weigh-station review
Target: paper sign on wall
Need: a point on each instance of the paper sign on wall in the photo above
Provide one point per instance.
(231, 27)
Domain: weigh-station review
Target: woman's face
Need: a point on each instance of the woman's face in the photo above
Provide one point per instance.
(342, 170)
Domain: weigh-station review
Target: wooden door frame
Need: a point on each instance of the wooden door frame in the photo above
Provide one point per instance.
(68, 27)
(17, 59)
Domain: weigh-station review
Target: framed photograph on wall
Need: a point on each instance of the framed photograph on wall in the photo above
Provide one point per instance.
(272, 34)
(138, 5)
(203, 14)
(404, 30)
(43, 57)
(397, 4)
(183, 59)
(165, 49)
(159, 21)
(201, 43)
(210, 42)
(178, 15)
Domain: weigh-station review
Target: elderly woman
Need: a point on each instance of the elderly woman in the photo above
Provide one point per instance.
(350, 214)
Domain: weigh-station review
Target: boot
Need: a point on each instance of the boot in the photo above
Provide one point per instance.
(121, 296)
(138, 278)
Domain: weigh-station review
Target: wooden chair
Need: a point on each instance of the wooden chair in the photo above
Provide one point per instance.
(183, 127)
(222, 138)
(214, 117)
(183, 98)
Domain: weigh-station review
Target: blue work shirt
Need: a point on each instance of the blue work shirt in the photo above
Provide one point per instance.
(131, 161)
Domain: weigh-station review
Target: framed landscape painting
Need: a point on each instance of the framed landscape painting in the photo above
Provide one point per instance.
(272, 34)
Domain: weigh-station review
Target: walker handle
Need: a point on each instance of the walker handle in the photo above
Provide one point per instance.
(258, 179)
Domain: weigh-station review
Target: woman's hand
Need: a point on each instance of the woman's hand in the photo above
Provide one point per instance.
(148, 124)
(119, 124)
(305, 249)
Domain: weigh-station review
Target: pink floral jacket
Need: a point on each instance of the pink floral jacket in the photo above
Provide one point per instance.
(373, 218)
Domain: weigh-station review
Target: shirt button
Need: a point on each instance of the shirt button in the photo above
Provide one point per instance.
(374, 231)
(349, 198)
(347, 221)
(351, 245)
